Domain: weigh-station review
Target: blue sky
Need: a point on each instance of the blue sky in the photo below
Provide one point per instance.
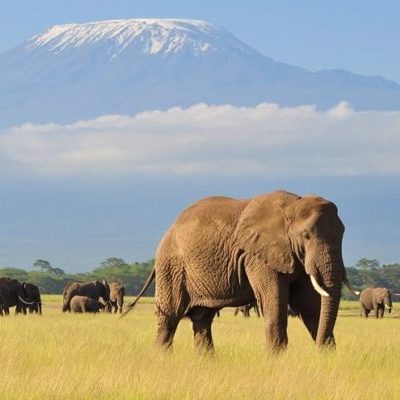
(359, 35)
(76, 220)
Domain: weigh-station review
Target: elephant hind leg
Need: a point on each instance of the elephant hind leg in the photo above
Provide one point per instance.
(166, 331)
(202, 319)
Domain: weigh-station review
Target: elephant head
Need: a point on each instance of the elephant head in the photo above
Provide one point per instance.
(32, 294)
(103, 289)
(384, 297)
(117, 293)
(290, 234)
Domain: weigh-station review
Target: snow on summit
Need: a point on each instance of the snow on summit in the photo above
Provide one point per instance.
(148, 36)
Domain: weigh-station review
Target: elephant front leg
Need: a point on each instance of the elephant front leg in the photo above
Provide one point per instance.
(275, 318)
(272, 294)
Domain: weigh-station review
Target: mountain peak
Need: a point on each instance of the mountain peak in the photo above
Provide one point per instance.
(149, 36)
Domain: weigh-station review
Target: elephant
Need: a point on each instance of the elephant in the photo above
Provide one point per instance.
(376, 299)
(94, 289)
(85, 304)
(12, 294)
(245, 309)
(32, 294)
(117, 293)
(277, 248)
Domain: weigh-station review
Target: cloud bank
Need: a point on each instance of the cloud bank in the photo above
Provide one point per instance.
(266, 140)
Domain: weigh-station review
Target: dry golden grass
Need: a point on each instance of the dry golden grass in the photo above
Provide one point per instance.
(65, 356)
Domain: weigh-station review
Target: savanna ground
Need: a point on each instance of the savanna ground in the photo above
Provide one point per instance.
(66, 356)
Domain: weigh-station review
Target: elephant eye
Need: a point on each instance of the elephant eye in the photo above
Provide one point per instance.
(306, 235)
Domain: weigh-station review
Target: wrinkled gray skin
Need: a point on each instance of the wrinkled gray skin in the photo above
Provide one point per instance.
(84, 304)
(376, 300)
(278, 248)
(12, 294)
(94, 289)
(117, 293)
(32, 294)
(246, 309)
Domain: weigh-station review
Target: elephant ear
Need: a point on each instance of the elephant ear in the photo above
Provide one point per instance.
(262, 231)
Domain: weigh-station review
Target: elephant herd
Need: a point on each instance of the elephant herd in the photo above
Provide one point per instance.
(78, 297)
(278, 252)
(92, 297)
(23, 295)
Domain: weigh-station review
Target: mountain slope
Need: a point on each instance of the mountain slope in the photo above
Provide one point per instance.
(80, 71)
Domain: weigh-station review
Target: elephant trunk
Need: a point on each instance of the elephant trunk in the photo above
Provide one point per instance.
(328, 272)
(327, 319)
(388, 304)
(332, 280)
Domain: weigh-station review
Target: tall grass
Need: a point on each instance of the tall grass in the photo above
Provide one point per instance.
(66, 356)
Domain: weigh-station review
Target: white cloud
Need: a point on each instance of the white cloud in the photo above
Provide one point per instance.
(266, 140)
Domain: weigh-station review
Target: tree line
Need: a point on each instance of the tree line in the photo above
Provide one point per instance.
(370, 273)
(52, 280)
(365, 273)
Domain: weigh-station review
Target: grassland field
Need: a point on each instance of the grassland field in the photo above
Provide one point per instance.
(67, 356)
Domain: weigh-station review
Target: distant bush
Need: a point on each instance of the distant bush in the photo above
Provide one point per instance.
(365, 274)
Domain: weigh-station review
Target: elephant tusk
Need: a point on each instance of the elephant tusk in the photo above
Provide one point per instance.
(318, 288)
(348, 285)
(26, 302)
(119, 307)
(388, 307)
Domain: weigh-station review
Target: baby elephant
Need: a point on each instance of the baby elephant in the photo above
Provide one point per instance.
(375, 299)
(84, 304)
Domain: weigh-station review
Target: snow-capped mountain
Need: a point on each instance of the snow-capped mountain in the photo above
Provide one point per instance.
(80, 71)
(140, 36)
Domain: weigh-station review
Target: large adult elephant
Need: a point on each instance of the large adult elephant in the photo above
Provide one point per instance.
(277, 248)
(94, 289)
(32, 294)
(117, 293)
(12, 294)
(376, 299)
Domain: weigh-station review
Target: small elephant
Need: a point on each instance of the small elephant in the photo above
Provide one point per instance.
(246, 309)
(85, 304)
(117, 293)
(376, 299)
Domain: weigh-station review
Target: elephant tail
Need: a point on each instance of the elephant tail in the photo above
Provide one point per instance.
(145, 287)
(348, 284)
